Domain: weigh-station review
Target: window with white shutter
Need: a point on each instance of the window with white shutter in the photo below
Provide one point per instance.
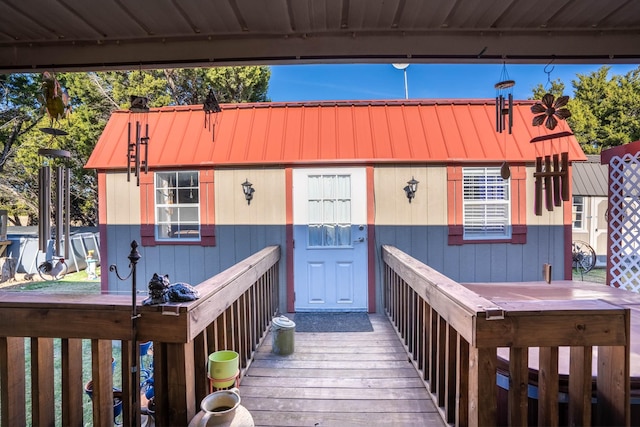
(486, 204)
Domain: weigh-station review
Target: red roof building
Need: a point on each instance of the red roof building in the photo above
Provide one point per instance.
(330, 185)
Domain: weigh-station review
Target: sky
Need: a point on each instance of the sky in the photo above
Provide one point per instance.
(383, 81)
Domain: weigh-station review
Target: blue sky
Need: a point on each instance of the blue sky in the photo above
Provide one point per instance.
(383, 81)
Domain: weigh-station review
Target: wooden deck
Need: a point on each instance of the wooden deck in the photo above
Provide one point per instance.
(338, 379)
(509, 295)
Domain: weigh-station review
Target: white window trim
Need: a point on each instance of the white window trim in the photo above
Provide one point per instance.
(583, 226)
(157, 206)
(504, 220)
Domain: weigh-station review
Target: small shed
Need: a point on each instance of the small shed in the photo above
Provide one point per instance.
(332, 183)
(590, 204)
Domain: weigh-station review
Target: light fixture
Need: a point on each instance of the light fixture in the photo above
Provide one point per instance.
(248, 190)
(411, 188)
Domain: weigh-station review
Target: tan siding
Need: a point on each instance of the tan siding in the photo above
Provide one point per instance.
(392, 207)
(268, 206)
(123, 200)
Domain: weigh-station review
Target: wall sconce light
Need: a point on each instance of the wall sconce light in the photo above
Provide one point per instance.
(248, 190)
(411, 188)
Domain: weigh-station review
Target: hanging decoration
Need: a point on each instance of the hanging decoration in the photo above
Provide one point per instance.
(61, 202)
(56, 102)
(504, 113)
(210, 106)
(549, 110)
(552, 178)
(504, 102)
(552, 170)
(137, 143)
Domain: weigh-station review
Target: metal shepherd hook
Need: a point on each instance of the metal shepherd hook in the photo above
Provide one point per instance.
(134, 257)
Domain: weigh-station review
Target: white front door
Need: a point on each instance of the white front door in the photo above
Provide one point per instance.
(330, 239)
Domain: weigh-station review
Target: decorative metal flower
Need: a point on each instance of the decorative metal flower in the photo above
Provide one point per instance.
(550, 108)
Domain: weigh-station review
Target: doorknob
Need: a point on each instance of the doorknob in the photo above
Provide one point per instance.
(360, 240)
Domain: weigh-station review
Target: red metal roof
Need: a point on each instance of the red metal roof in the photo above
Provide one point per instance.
(430, 131)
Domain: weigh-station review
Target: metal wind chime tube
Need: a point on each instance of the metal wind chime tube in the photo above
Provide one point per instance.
(137, 153)
(67, 213)
(44, 207)
(129, 152)
(59, 203)
(136, 159)
(504, 102)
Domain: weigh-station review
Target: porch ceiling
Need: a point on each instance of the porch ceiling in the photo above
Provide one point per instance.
(80, 35)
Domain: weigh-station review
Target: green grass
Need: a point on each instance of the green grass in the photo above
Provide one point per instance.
(596, 275)
(76, 283)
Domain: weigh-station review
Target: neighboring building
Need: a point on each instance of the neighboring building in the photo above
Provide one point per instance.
(329, 181)
(590, 204)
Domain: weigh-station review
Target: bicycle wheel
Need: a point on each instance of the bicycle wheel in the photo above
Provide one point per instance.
(584, 257)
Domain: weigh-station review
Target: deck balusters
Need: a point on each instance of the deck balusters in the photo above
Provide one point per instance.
(234, 312)
(452, 336)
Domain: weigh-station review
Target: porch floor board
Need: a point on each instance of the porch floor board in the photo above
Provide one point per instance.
(338, 379)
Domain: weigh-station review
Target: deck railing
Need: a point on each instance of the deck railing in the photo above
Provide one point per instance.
(233, 312)
(452, 336)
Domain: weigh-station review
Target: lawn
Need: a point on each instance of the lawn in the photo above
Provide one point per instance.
(76, 283)
(596, 275)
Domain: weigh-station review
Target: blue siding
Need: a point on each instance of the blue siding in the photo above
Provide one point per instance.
(496, 262)
(190, 263)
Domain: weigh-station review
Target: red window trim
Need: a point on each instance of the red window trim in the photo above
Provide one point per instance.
(518, 207)
(207, 212)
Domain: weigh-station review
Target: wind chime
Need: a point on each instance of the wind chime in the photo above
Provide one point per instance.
(552, 172)
(138, 144)
(210, 106)
(504, 113)
(57, 106)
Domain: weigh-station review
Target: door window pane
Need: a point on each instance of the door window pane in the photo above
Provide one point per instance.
(329, 210)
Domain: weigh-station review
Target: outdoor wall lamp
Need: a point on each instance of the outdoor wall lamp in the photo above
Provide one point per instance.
(247, 189)
(411, 188)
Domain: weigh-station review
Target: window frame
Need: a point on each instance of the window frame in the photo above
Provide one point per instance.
(206, 210)
(173, 204)
(486, 183)
(455, 205)
(574, 214)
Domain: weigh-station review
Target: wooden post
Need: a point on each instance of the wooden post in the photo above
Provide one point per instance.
(482, 387)
(580, 386)
(180, 386)
(548, 387)
(462, 383)
(42, 373)
(518, 385)
(12, 386)
(613, 386)
(72, 395)
(450, 375)
(102, 377)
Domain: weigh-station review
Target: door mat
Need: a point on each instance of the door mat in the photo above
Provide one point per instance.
(332, 322)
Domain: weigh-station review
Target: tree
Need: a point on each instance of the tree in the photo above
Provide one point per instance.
(606, 111)
(94, 96)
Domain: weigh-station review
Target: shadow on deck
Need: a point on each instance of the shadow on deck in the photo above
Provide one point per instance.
(338, 379)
